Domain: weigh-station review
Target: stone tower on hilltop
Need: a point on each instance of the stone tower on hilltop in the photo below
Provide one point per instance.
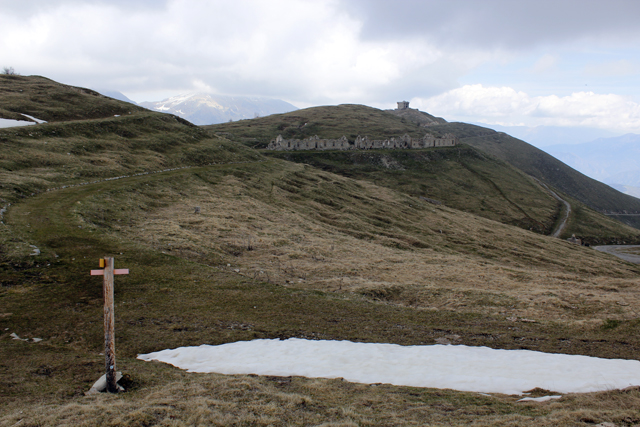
(403, 105)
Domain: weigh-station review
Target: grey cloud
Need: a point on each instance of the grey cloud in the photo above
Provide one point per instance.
(508, 24)
(279, 49)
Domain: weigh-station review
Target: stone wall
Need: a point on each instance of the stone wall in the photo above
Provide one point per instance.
(361, 143)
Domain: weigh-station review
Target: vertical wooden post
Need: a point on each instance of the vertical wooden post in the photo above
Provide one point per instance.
(109, 327)
(107, 271)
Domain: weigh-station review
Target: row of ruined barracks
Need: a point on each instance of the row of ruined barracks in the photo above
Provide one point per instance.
(361, 143)
(405, 141)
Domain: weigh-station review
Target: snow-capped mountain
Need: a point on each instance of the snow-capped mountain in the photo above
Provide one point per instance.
(207, 109)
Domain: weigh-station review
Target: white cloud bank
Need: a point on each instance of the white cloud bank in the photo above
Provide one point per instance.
(460, 367)
(306, 52)
(507, 107)
(374, 52)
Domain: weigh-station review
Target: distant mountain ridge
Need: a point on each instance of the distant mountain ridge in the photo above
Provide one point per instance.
(544, 167)
(207, 109)
(597, 153)
(115, 95)
(627, 189)
(544, 136)
(610, 160)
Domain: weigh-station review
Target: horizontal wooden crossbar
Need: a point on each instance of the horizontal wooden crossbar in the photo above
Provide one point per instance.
(116, 271)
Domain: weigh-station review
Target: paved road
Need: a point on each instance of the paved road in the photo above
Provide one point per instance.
(621, 252)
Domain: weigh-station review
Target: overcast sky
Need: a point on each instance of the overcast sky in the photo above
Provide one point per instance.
(561, 62)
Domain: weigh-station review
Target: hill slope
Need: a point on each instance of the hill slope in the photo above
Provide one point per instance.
(277, 249)
(354, 120)
(283, 250)
(85, 141)
(50, 101)
(419, 117)
(491, 195)
(460, 177)
(327, 122)
(541, 165)
(610, 160)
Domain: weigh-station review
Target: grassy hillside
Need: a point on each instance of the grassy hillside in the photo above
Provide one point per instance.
(417, 116)
(47, 100)
(353, 120)
(327, 122)
(462, 177)
(36, 158)
(632, 220)
(539, 164)
(465, 179)
(284, 250)
(279, 249)
(84, 149)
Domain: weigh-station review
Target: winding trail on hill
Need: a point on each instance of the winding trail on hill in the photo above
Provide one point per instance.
(563, 224)
(61, 199)
(4, 208)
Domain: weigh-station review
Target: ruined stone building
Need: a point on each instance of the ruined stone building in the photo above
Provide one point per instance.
(364, 143)
(361, 143)
(313, 143)
(403, 105)
(405, 141)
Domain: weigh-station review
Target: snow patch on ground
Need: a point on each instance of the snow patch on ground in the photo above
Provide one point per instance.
(33, 118)
(15, 336)
(539, 399)
(463, 368)
(9, 123)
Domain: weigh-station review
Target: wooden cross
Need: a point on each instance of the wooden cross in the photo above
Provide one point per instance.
(109, 319)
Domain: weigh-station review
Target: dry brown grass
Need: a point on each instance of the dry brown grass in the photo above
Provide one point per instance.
(456, 261)
(54, 102)
(218, 400)
(278, 250)
(380, 260)
(52, 155)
